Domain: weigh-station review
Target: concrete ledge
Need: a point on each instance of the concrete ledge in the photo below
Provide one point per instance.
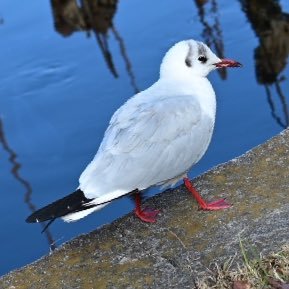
(184, 241)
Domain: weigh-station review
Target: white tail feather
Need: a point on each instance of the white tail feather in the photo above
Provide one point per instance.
(81, 214)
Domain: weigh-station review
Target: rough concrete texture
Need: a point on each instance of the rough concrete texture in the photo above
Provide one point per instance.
(177, 249)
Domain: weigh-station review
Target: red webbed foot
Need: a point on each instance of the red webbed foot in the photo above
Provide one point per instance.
(213, 206)
(216, 205)
(147, 215)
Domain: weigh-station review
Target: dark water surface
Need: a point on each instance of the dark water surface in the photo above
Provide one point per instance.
(66, 66)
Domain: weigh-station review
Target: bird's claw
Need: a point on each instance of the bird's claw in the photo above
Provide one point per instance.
(217, 205)
(147, 215)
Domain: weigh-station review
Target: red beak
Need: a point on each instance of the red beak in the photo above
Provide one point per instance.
(227, 63)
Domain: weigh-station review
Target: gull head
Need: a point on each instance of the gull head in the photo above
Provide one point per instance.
(190, 58)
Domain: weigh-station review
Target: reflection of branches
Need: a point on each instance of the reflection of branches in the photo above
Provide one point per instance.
(102, 43)
(97, 16)
(126, 59)
(212, 33)
(15, 172)
(273, 109)
(100, 27)
(283, 101)
(266, 74)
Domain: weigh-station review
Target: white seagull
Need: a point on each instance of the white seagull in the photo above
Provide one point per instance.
(153, 139)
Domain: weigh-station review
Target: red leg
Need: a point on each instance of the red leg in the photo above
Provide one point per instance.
(217, 205)
(146, 215)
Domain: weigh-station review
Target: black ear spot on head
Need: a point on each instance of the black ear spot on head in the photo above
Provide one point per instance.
(188, 62)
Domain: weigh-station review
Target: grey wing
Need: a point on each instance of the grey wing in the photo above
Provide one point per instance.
(146, 144)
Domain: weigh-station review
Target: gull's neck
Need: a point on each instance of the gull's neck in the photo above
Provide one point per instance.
(206, 95)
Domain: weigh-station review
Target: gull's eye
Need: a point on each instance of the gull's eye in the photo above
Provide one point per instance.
(203, 59)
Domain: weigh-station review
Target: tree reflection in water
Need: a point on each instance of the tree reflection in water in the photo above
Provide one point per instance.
(96, 17)
(271, 26)
(16, 165)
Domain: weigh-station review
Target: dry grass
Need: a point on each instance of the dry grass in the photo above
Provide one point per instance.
(256, 271)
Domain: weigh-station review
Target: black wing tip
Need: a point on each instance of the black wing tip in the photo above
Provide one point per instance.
(37, 217)
(34, 218)
(31, 219)
(59, 208)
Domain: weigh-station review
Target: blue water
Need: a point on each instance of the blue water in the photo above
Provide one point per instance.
(57, 95)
